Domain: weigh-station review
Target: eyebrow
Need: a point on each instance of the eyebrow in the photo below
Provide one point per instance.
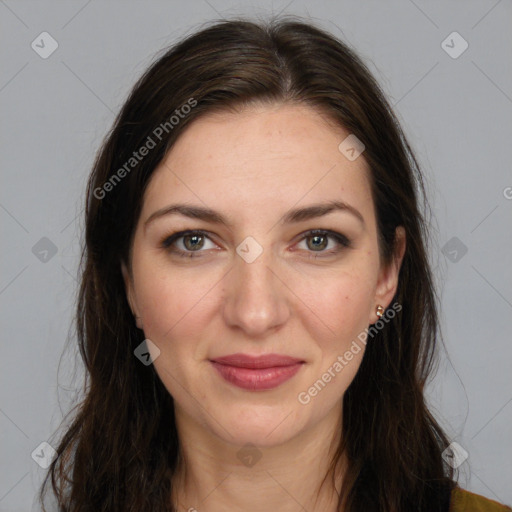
(293, 216)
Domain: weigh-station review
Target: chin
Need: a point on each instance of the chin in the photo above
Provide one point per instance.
(262, 426)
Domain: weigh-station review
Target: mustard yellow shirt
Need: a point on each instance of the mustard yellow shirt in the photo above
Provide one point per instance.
(465, 501)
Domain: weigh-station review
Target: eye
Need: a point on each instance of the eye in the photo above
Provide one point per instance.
(317, 241)
(191, 241)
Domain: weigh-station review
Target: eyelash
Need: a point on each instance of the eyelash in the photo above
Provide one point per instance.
(342, 240)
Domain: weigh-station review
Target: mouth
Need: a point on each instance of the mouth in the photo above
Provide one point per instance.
(256, 373)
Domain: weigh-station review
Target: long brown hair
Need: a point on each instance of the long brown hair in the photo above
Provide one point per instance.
(121, 449)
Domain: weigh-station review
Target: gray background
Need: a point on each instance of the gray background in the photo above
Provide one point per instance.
(455, 111)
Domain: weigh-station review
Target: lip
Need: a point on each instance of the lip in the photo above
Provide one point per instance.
(257, 372)
(257, 362)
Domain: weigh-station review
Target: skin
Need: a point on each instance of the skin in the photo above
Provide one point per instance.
(253, 166)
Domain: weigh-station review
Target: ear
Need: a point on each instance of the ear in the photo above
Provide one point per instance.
(130, 294)
(387, 283)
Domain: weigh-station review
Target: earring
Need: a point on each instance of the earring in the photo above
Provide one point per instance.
(380, 311)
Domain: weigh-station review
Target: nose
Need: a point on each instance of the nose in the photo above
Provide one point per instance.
(256, 299)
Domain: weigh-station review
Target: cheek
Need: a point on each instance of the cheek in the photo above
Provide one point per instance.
(169, 299)
(337, 304)
(174, 316)
(335, 317)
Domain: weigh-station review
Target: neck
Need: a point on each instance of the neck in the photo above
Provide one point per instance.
(214, 475)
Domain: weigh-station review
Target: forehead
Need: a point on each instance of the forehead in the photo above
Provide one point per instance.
(264, 157)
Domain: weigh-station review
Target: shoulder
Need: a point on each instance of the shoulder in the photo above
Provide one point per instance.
(465, 501)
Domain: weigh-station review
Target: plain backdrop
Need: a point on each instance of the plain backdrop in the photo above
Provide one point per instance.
(455, 105)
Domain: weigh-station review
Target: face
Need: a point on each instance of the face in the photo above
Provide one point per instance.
(259, 282)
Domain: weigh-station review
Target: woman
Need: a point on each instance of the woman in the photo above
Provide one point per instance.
(257, 314)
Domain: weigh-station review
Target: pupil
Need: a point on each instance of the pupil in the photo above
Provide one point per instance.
(316, 238)
(194, 245)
